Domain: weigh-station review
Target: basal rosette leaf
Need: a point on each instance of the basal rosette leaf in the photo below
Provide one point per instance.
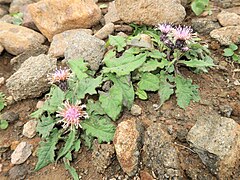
(149, 82)
(118, 41)
(78, 67)
(45, 126)
(71, 170)
(152, 65)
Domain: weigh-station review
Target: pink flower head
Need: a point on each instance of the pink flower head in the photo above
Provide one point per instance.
(182, 33)
(72, 114)
(59, 75)
(165, 28)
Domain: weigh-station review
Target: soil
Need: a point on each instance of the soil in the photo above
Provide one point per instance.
(217, 89)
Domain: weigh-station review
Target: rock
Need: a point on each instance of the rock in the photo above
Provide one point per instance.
(88, 47)
(7, 19)
(123, 28)
(17, 39)
(228, 19)
(18, 172)
(33, 51)
(17, 5)
(62, 40)
(105, 31)
(14, 145)
(27, 19)
(144, 175)
(29, 129)
(102, 156)
(160, 155)
(31, 78)
(5, 1)
(127, 142)
(3, 10)
(1, 49)
(217, 141)
(9, 100)
(1, 166)
(143, 40)
(227, 3)
(39, 104)
(112, 14)
(151, 12)
(21, 153)
(10, 116)
(234, 10)
(204, 25)
(227, 35)
(52, 17)
(2, 81)
(226, 110)
(136, 110)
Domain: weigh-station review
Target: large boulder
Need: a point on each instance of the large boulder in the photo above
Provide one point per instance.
(150, 12)
(17, 39)
(54, 16)
(31, 78)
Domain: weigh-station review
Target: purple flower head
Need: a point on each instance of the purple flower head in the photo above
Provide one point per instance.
(182, 33)
(59, 75)
(72, 114)
(165, 28)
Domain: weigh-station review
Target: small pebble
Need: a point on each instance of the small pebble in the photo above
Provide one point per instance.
(39, 104)
(136, 110)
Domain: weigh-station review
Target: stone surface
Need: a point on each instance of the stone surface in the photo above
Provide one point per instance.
(29, 129)
(227, 35)
(150, 12)
(226, 110)
(102, 156)
(204, 25)
(160, 155)
(62, 40)
(52, 17)
(7, 19)
(2, 81)
(105, 31)
(17, 39)
(112, 14)
(144, 175)
(234, 10)
(18, 172)
(217, 141)
(228, 19)
(21, 153)
(17, 5)
(27, 19)
(10, 116)
(31, 78)
(88, 47)
(136, 110)
(5, 1)
(127, 142)
(227, 3)
(1, 48)
(3, 10)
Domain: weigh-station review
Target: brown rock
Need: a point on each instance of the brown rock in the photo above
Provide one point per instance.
(105, 31)
(18, 5)
(27, 19)
(17, 39)
(3, 10)
(150, 12)
(1, 48)
(234, 10)
(227, 35)
(112, 14)
(127, 142)
(144, 175)
(52, 17)
(228, 19)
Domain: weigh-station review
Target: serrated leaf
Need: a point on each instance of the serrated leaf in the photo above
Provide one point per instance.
(88, 140)
(112, 102)
(185, 91)
(46, 151)
(234, 47)
(71, 170)
(156, 54)
(3, 124)
(45, 126)
(99, 127)
(195, 63)
(149, 82)
(77, 145)
(68, 144)
(153, 65)
(228, 52)
(68, 156)
(118, 41)
(95, 108)
(141, 94)
(197, 7)
(79, 67)
(125, 64)
(125, 85)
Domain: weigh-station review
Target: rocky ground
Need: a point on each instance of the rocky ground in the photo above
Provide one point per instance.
(201, 142)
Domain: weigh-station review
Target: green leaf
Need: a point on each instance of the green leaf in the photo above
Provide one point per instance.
(68, 144)
(153, 65)
(2, 101)
(88, 140)
(68, 156)
(124, 85)
(112, 101)
(99, 127)
(141, 94)
(71, 170)
(46, 151)
(45, 126)
(198, 7)
(234, 47)
(156, 54)
(195, 63)
(79, 67)
(124, 65)
(77, 145)
(185, 91)
(228, 52)
(236, 58)
(17, 18)
(149, 82)
(118, 41)
(95, 108)
(3, 124)
(102, 6)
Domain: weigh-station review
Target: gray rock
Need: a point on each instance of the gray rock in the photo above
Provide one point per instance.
(17, 5)
(3, 10)
(61, 41)
(204, 25)
(136, 110)
(227, 35)
(21, 153)
(29, 129)
(160, 155)
(127, 142)
(31, 78)
(227, 3)
(105, 31)
(234, 10)
(228, 19)
(217, 141)
(18, 172)
(112, 14)
(226, 110)
(7, 19)
(85, 46)
(150, 12)
(10, 116)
